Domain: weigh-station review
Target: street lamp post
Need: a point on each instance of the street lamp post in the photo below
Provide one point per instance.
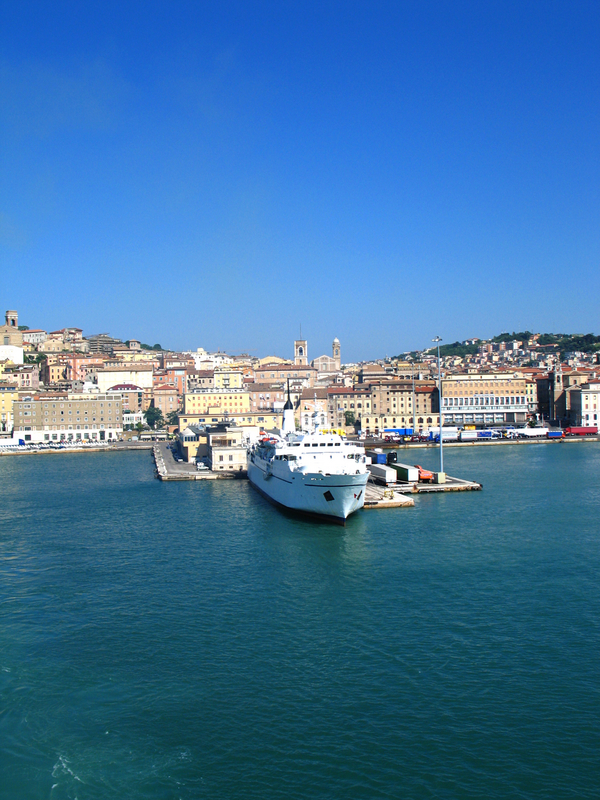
(437, 340)
(414, 418)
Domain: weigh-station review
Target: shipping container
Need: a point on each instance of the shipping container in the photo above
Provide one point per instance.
(377, 456)
(406, 473)
(383, 474)
(555, 434)
(591, 431)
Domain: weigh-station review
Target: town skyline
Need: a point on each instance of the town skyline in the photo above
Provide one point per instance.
(284, 349)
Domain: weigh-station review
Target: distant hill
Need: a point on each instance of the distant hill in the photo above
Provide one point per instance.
(567, 343)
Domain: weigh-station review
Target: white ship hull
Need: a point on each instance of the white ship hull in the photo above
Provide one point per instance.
(334, 496)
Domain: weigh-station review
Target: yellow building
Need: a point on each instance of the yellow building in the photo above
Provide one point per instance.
(217, 401)
(531, 394)
(6, 364)
(267, 420)
(228, 377)
(52, 346)
(223, 449)
(9, 394)
(272, 360)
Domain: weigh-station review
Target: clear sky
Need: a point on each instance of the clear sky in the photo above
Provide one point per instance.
(217, 173)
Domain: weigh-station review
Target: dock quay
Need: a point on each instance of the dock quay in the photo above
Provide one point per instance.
(451, 485)
(385, 497)
(373, 443)
(395, 495)
(168, 469)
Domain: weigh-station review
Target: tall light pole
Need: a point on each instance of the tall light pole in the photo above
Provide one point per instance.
(437, 340)
(414, 419)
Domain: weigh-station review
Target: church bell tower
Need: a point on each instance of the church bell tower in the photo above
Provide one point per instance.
(300, 353)
(336, 353)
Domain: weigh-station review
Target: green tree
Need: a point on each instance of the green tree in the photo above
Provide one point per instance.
(154, 418)
(350, 418)
(173, 418)
(139, 427)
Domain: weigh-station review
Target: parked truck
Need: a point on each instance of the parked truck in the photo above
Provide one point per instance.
(532, 433)
(490, 433)
(406, 473)
(377, 456)
(448, 434)
(383, 474)
(591, 431)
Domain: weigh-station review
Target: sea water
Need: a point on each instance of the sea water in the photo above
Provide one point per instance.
(187, 640)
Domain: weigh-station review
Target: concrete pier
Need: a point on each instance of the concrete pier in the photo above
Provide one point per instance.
(385, 497)
(451, 485)
(168, 469)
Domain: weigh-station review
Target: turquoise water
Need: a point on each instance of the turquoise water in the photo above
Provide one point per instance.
(189, 641)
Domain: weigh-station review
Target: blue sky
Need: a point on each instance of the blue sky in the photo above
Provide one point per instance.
(216, 174)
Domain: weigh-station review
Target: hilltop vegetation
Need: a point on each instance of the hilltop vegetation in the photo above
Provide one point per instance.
(566, 343)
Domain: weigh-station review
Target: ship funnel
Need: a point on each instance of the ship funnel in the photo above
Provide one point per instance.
(289, 424)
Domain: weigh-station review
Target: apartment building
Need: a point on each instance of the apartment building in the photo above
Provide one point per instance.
(390, 406)
(297, 373)
(228, 377)
(34, 336)
(484, 398)
(344, 400)
(265, 420)
(200, 379)
(80, 367)
(266, 396)
(53, 416)
(101, 343)
(311, 401)
(585, 405)
(134, 399)
(27, 377)
(215, 401)
(9, 394)
(166, 398)
(138, 374)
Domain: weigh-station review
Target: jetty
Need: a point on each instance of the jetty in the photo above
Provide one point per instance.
(451, 485)
(396, 495)
(170, 469)
(385, 497)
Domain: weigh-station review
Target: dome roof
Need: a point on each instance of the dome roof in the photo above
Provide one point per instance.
(336, 340)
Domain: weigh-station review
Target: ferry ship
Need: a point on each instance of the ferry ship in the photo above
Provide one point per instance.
(319, 473)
